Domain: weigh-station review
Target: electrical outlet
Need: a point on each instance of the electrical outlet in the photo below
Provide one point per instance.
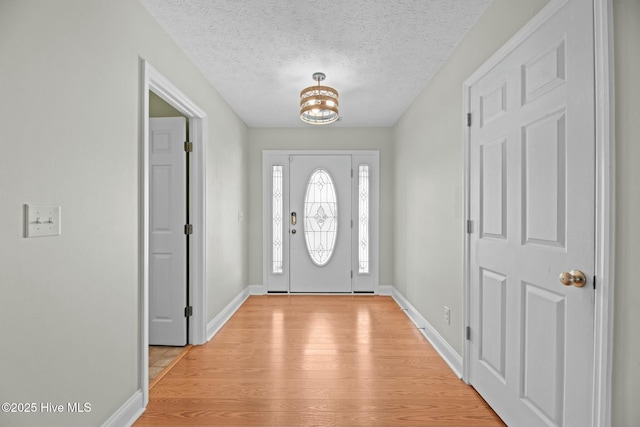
(447, 315)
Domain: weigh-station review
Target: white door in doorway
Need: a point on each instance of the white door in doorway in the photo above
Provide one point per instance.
(532, 169)
(167, 239)
(320, 223)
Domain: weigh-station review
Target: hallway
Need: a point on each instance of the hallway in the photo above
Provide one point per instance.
(315, 360)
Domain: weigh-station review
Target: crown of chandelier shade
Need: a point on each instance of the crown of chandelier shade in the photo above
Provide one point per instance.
(319, 104)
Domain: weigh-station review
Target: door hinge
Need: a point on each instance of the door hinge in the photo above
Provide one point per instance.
(351, 223)
(469, 226)
(188, 146)
(594, 282)
(468, 333)
(351, 173)
(469, 119)
(188, 311)
(352, 274)
(188, 229)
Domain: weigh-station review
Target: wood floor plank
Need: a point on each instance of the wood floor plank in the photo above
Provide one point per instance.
(315, 360)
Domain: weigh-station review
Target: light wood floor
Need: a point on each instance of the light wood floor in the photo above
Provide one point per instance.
(315, 360)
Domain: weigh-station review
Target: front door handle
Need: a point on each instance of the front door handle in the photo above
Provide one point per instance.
(294, 218)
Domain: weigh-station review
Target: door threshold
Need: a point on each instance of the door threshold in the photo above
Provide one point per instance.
(321, 293)
(169, 366)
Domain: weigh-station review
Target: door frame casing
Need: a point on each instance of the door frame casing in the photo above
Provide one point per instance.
(604, 201)
(360, 282)
(152, 80)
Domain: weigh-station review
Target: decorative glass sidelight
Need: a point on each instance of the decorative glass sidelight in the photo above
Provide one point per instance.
(276, 218)
(320, 217)
(363, 219)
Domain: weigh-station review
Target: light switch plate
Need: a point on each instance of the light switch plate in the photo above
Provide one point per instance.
(42, 220)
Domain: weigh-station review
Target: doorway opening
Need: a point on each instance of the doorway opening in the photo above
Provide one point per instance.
(153, 82)
(169, 256)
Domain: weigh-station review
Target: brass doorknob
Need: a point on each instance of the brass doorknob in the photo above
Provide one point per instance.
(574, 277)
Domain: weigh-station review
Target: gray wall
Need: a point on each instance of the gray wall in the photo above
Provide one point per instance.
(428, 164)
(69, 126)
(320, 139)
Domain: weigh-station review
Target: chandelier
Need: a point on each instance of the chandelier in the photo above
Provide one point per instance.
(319, 104)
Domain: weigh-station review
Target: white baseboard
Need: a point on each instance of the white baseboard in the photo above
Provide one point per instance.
(128, 413)
(450, 356)
(223, 317)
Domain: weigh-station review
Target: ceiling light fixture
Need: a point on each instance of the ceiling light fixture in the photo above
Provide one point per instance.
(319, 104)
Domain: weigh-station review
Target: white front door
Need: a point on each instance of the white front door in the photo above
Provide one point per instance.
(532, 169)
(320, 224)
(167, 239)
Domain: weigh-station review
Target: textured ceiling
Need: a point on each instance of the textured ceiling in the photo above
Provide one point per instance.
(259, 54)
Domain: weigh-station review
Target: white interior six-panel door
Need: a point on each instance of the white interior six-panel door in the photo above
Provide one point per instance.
(532, 187)
(167, 240)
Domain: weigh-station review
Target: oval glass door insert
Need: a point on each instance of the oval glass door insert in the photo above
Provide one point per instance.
(320, 217)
